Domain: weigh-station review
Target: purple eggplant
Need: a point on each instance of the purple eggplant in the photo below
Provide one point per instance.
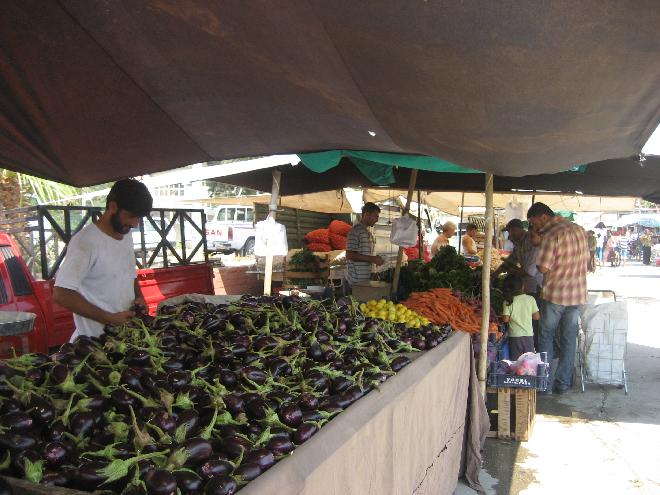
(399, 362)
(248, 471)
(122, 400)
(215, 467)
(290, 415)
(17, 421)
(228, 378)
(137, 357)
(235, 445)
(189, 483)
(308, 402)
(10, 406)
(173, 365)
(221, 485)
(131, 378)
(280, 446)
(341, 384)
(160, 482)
(82, 424)
(163, 420)
(54, 478)
(55, 453)
(191, 452)
(17, 441)
(234, 403)
(264, 343)
(178, 379)
(256, 409)
(263, 457)
(56, 431)
(42, 413)
(89, 476)
(304, 432)
(280, 367)
(190, 418)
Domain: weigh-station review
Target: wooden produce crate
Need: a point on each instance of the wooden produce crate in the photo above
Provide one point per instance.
(365, 291)
(512, 412)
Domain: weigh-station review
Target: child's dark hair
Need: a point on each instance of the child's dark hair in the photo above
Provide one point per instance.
(511, 287)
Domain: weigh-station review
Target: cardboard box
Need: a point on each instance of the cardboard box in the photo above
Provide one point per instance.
(365, 291)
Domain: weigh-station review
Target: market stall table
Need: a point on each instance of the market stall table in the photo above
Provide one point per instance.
(406, 438)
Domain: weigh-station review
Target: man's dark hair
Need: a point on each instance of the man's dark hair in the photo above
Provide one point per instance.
(538, 209)
(130, 195)
(471, 226)
(370, 208)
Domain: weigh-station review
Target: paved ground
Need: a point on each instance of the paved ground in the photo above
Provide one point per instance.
(601, 441)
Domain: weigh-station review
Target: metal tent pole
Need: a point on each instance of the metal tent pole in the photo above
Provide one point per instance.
(460, 239)
(419, 225)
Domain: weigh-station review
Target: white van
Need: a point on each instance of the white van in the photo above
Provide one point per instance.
(231, 228)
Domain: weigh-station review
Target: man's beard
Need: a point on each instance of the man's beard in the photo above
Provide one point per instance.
(117, 226)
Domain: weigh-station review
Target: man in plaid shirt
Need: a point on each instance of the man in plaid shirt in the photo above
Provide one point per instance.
(563, 258)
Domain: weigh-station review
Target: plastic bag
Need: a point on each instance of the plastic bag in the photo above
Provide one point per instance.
(526, 365)
(273, 233)
(404, 232)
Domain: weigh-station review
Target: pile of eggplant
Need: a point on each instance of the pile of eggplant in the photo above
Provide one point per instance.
(202, 398)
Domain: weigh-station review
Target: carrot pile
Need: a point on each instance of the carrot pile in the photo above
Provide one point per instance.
(441, 306)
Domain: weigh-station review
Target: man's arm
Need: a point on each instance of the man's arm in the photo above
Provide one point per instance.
(355, 256)
(139, 298)
(73, 301)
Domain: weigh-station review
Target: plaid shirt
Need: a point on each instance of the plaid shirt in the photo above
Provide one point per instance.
(565, 253)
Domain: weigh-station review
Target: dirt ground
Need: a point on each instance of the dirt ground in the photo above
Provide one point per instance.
(600, 441)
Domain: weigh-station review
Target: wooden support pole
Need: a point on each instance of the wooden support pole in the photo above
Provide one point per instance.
(272, 213)
(419, 225)
(485, 285)
(406, 209)
(460, 238)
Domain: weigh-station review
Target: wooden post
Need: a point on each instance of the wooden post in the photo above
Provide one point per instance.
(406, 209)
(485, 285)
(460, 239)
(272, 213)
(419, 225)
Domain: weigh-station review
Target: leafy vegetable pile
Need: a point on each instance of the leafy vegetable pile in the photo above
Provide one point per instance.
(447, 269)
(201, 399)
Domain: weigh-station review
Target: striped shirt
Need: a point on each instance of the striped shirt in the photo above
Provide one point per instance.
(624, 241)
(565, 253)
(361, 241)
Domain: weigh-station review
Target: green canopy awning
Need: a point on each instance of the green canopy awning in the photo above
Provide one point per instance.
(378, 167)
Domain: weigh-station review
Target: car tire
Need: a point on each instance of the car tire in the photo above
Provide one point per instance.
(248, 247)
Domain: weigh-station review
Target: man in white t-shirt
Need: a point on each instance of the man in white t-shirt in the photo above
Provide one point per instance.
(97, 280)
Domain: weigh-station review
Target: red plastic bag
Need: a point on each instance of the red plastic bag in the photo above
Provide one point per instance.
(319, 235)
(319, 247)
(340, 228)
(338, 241)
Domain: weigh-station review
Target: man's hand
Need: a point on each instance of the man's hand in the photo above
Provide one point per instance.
(378, 260)
(118, 319)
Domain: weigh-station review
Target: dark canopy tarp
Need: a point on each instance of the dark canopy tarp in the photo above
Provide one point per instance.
(624, 177)
(92, 90)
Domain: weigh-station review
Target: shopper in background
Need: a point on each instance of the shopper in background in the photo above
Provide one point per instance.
(593, 246)
(647, 243)
(522, 263)
(468, 241)
(624, 245)
(563, 258)
(448, 231)
(360, 248)
(519, 311)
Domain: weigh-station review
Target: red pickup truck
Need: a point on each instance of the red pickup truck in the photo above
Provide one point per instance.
(19, 291)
